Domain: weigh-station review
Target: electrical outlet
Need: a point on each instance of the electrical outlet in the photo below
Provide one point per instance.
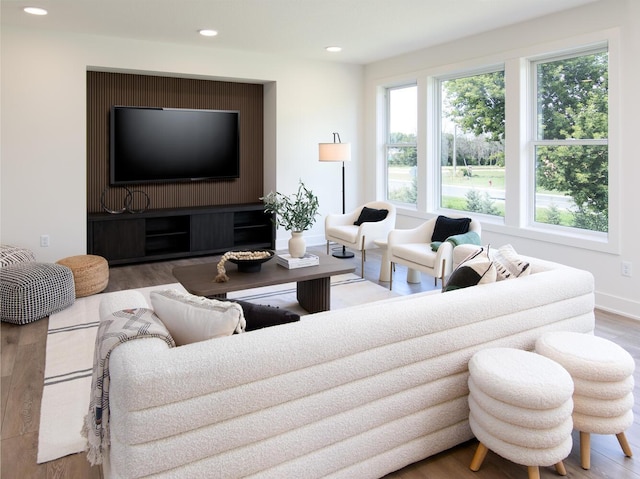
(44, 241)
(626, 268)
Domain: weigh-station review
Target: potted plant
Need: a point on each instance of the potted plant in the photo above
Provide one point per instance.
(295, 213)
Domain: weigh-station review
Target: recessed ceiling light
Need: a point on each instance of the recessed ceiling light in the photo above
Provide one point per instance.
(35, 10)
(207, 33)
(333, 49)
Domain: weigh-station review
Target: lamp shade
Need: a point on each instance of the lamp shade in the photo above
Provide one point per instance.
(334, 151)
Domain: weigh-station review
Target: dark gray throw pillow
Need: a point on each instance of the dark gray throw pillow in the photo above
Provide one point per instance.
(370, 215)
(446, 227)
(260, 316)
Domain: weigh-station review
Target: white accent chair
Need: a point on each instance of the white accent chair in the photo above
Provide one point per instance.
(412, 248)
(340, 228)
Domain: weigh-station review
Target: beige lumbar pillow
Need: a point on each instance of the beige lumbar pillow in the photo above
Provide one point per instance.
(190, 318)
(508, 264)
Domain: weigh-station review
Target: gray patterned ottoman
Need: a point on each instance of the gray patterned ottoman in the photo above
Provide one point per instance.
(30, 291)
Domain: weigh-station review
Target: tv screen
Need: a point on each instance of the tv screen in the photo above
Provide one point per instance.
(149, 145)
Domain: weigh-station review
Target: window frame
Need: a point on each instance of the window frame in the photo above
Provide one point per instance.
(520, 174)
(534, 140)
(436, 132)
(387, 145)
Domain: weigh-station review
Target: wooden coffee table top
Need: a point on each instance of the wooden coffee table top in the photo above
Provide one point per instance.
(199, 278)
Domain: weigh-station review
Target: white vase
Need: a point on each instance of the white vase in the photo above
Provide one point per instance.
(297, 246)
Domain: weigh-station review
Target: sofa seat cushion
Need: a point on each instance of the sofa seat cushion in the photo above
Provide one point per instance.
(190, 318)
(420, 253)
(348, 233)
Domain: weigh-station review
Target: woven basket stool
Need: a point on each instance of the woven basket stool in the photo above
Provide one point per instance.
(520, 408)
(602, 373)
(90, 273)
(30, 291)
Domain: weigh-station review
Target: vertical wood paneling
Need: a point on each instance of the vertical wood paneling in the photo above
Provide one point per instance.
(106, 89)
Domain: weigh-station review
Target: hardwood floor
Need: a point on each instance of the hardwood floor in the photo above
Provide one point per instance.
(22, 367)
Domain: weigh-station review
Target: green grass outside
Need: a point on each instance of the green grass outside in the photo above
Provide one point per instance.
(481, 177)
(460, 204)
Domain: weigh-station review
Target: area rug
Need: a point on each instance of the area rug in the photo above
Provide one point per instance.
(71, 339)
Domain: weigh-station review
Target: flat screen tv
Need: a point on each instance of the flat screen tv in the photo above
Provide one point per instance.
(151, 145)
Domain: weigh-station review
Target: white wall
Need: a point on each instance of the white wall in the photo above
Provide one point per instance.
(614, 292)
(43, 131)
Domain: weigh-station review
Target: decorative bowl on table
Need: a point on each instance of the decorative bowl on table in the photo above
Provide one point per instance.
(252, 265)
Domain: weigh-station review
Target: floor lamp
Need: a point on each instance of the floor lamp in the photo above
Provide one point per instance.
(337, 151)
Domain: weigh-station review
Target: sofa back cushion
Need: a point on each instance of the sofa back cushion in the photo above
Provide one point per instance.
(190, 318)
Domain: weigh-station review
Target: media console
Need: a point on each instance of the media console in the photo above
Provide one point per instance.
(164, 234)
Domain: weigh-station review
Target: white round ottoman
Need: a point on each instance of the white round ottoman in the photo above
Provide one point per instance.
(602, 373)
(520, 408)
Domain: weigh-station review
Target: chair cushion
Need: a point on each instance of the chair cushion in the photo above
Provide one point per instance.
(371, 215)
(348, 233)
(446, 227)
(477, 269)
(417, 253)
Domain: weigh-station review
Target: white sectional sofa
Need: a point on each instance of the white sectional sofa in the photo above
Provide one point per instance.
(351, 393)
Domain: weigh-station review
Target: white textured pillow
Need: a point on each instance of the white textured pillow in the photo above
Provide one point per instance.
(508, 264)
(190, 318)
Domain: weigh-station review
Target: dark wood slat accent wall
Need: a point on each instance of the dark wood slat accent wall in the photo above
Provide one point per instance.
(105, 89)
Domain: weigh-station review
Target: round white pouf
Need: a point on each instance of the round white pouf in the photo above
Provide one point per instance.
(602, 373)
(520, 408)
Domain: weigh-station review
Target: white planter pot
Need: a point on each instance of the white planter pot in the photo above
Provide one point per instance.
(297, 245)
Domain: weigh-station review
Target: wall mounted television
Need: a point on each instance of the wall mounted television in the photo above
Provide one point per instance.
(152, 145)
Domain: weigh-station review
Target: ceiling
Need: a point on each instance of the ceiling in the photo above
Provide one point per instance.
(367, 30)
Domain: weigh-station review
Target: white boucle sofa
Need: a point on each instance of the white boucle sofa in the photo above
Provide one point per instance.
(351, 393)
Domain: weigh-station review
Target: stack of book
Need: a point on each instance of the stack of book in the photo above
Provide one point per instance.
(291, 263)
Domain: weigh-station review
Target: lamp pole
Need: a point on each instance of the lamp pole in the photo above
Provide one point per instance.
(338, 151)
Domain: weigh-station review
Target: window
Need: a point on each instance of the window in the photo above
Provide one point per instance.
(400, 145)
(472, 130)
(570, 145)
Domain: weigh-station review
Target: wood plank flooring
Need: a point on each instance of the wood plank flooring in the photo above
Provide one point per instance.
(22, 367)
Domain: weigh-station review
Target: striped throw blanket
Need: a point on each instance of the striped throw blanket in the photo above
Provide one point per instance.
(120, 327)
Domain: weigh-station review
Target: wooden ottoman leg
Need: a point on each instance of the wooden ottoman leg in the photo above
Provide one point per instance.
(560, 469)
(534, 472)
(585, 450)
(478, 457)
(624, 444)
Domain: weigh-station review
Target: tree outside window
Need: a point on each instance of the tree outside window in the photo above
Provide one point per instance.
(571, 145)
(401, 152)
(472, 166)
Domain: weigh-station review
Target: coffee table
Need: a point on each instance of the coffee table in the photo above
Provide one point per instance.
(313, 283)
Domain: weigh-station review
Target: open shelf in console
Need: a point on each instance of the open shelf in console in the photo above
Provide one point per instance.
(179, 232)
(167, 235)
(252, 229)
